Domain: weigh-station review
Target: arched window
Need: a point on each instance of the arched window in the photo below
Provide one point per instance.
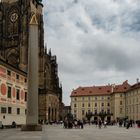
(13, 21)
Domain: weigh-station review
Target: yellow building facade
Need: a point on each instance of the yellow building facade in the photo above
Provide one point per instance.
(133, 102)
(113, 101)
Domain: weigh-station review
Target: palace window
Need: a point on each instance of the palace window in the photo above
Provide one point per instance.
(108, 104)
(83, 105)
(95, 111)
(9, 92)
(3, 110)
(88, 104)
(18, 111)
(126, 110)
(74, 105)
(120, 110)
(102, 104)
(9, 110)
(120, 102)
(25, 80)
(25, 96)
(17, 94)
(95, 104)
(83, 112)
(17, 77)
(8, 72)
(108, 110)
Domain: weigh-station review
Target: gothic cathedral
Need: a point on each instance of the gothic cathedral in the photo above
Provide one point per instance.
(14, 35)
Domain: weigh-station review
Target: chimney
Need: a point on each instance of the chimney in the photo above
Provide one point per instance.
(137, 80)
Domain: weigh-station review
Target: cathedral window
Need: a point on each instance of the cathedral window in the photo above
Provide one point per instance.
(13, 22)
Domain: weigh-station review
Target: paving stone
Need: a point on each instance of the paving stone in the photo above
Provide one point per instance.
(57, 132)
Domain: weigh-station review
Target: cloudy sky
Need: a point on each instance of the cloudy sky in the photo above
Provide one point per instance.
(97, 42)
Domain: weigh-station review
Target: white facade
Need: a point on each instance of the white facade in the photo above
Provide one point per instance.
(13, 95)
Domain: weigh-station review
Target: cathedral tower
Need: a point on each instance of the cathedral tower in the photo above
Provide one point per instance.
(14, 30)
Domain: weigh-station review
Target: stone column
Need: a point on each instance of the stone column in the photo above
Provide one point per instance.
(32, 100)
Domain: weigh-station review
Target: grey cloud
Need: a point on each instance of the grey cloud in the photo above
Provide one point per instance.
(94, 40)
(131, 21)
(106, 58)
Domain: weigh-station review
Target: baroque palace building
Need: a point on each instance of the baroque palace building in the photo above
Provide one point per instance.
(14, 34)
(113, 101)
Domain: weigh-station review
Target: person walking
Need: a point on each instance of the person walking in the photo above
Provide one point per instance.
(100, 124)
(105, 124)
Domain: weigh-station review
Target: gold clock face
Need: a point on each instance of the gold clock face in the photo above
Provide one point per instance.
(14, 17)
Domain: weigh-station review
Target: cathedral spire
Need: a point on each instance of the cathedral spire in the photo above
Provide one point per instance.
(50, 53)
(45, 48)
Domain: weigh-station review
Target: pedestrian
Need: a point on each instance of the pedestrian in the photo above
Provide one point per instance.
(100, 124)
(105, 124)
(128, 125)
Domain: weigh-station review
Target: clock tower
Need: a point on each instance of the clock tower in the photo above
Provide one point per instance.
(14, 30)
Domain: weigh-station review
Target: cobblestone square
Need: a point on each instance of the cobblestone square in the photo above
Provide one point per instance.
(57, 132)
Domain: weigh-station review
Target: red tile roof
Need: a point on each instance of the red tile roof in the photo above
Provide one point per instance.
(135, 86)
(100, 90)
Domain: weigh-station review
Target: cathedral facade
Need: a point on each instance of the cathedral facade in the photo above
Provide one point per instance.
(14, 43)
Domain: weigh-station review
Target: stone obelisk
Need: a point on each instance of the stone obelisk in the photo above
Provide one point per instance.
(32, 97)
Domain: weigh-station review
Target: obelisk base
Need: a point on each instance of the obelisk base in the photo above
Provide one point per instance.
(31, 127)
